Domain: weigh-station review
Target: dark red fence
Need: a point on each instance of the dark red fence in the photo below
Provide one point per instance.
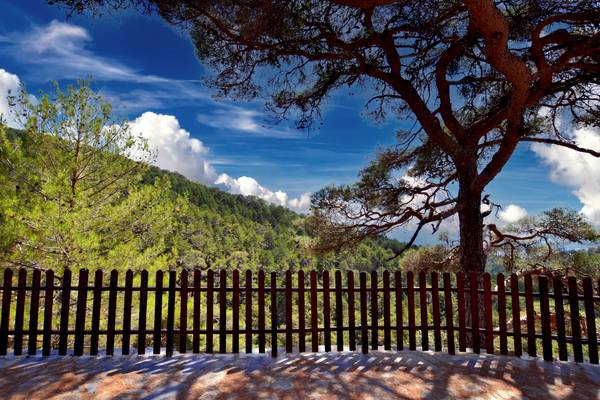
(194, 310)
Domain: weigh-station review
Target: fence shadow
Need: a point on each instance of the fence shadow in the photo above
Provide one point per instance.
(399, 375)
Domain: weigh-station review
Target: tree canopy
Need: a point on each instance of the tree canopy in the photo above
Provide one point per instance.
(477, 77)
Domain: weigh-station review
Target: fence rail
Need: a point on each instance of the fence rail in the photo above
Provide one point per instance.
(226, 312)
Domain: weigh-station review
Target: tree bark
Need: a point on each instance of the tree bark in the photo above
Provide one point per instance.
(472, 255)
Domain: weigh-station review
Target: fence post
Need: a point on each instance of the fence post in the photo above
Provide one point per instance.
(81, 311)
(448, 312)
(424, 310)
(48, 302)
(516, 314)
(183, 314)
(96, 301)
(64, 313)
(141, 345)
(248, 301)
(351, 311)
(560, 318)
(314, 334)
(4, 323)
(261, 311)
(410, 287)
(20, 312)
(171, 313)
(34, 312)
(339, 312)
(387, 334)
(210, 277)
(502, 313)
(197, 312)
(364, 339)
(474, 295)
(489, 329)
(531, 346)
(235, 340)
(156, 336)
(435, 304)
(301, 314)
(545, 315)
(125, 343)
(590, 319)
(462, 310)
(288, 311)
(274, 314)
(326, 312)
(575, 323)
(399, 316)
(222, 311)
(112, 311)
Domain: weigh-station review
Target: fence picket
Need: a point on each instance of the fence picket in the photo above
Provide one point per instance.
(590, 319)
(351, 312)
(197, 312)
(364, 335)
(500, 282)
(156, 337)
(339, 312)
(489, 328)
(183, 310)
(516, 314)
(410, 288)
(387, 333)
(448, 312)
(64, 313)
(125, 344)
(5, 319)
(435, 304)
(560, 318)
(34, 312)
(20, 312)
(96, 303)
(399, 316)
(141, 344)
(248, 301)
(235, 304)
(375, 305)
(81, 311)
(112, 312)
(301, 314)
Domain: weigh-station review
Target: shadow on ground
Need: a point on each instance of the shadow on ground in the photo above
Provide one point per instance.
(379, 375)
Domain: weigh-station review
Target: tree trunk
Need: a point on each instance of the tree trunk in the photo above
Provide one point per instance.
(472, 256)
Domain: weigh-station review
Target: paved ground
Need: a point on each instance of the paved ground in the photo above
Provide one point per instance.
(380, 375)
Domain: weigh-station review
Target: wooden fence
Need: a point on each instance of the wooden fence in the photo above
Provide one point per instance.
(300, 311)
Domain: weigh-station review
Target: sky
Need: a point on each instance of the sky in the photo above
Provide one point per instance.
(150, 73)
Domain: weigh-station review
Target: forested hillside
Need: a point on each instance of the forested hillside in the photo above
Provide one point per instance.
(77, 191)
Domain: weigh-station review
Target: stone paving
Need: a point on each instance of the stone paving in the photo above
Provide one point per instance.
(345, 375)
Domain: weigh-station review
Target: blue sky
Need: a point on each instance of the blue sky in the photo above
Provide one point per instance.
(149, 71)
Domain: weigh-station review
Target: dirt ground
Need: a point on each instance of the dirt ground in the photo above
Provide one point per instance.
(345, 375)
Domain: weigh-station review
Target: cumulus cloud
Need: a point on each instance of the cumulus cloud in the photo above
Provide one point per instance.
(176, 150)
(578, 171)
(512, 213)
(9, 84)
(248, 186)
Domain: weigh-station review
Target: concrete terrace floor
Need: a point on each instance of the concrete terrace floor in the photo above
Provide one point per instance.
(345, 375)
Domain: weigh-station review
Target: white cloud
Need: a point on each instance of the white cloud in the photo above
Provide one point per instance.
(578, 171)
(248, 186)
(9, 84)
(60, 50)
(245, 121)
(512, 213)
(176, 150)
